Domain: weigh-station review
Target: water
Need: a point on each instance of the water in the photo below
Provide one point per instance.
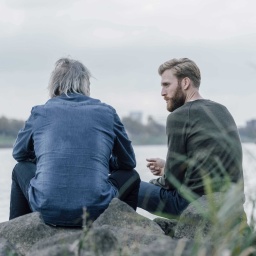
(6, 165)
(142, 152)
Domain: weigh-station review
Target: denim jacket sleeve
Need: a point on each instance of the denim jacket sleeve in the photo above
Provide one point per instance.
(23, 149)
(123, 156)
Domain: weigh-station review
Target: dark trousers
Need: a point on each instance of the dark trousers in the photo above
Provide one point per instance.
(127, 183)
(159, 201)
(22, 173)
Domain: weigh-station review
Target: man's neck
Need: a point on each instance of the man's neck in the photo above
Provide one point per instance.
(195, 95)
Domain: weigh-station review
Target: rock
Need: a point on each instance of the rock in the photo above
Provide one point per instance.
(193, 221)
(6, 248)
(27, 230)
(57, 245)
(120, 230)
(99, 241)
(167, 225)
(167, 246)
(121, 215)
(174, 247)
(132, 230)
(213, 215)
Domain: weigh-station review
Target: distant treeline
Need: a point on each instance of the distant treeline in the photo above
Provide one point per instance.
(151, 133)
(248, 132)
(8, 131)
(10, 127)
(154, 133)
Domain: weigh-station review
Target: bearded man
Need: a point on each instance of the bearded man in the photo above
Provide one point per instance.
(204, 146)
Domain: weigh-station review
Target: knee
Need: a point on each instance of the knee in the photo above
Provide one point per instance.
(22, 167)
(136, 174)
(136, 177)
(14, 171)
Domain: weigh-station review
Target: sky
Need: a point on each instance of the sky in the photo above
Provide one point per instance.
(122, 43)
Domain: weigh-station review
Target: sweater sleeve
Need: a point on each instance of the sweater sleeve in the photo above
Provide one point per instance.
(175, 167)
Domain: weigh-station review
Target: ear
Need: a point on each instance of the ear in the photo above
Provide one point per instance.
(186, 82)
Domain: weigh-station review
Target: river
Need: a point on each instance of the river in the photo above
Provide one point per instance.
(142, 152)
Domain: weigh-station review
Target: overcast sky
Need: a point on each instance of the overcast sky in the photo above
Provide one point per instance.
(123, 42)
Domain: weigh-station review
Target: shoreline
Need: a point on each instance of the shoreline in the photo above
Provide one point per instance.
(8, 146)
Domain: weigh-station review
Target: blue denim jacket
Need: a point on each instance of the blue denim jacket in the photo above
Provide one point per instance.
(74, 139)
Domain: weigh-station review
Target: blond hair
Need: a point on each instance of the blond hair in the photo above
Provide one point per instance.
(182, 68)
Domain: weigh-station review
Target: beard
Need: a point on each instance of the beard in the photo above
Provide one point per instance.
(177, 100)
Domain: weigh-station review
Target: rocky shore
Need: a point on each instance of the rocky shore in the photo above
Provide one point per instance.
(118, 231)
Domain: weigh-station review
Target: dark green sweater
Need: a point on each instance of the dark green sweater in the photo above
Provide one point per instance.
(203, 146)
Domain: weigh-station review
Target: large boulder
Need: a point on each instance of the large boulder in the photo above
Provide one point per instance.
(99, 241)
(166, 246)
(167, 225)
(6, 248)
(56, 245)
(27, 230)
(132, 230)
(120, 230)
(193, 220)
(213, 215)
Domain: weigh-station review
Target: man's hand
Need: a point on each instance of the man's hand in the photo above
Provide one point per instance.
(156, 166)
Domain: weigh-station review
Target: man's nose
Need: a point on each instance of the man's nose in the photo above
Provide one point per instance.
(163, 91)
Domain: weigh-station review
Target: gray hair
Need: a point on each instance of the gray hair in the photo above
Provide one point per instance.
(182, 68)
(69, 76)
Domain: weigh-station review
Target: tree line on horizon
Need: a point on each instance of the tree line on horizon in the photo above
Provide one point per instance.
(10, 127)
(151, 133)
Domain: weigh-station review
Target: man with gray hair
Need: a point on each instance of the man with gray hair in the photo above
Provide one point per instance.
(203, 144)
(73, 153)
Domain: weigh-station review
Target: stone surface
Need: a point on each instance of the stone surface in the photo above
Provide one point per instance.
(58, 244)
(121, 215)
(167, 225)
(133, 230)
(167, 246)
(120, 230)
(192, 221)
(212, 215)
(27, 230)
(6, 248)
(99, 241)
